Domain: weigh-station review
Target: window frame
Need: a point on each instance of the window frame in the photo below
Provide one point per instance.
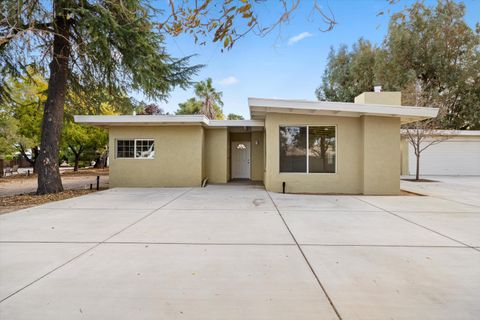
(134, 149)
(307, 149)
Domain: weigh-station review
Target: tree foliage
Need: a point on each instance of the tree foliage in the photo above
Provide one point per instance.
(348, 73)
(207, 101)
(210, 97)
(194, 106)
(228, 21)
(151, 109)
(24, 108)
(80, 142)
(233, 116)
(81, 45)
(8, 134)
(429, 53)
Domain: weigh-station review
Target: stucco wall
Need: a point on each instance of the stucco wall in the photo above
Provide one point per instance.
(386, 97)
(381, 155)
(348, 176)
(257, 157)
(216, 155)
(178, 157)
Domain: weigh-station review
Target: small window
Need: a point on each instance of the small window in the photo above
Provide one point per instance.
(144, 149)
(137, 149)
(125, 148)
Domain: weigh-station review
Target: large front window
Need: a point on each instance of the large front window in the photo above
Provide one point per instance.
(320, 155)
(136, 148)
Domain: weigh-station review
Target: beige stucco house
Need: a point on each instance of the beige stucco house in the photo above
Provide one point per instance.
(306, 146)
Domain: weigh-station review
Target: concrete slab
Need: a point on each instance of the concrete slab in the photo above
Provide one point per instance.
(319, 202)
(176, 282)
(209, 226)
(359, 228)
(224, 197)
(418, 204)
(120, 199)
(461, 226)
(41, 224)
(460, 189)
(23, 263)
(400, 283)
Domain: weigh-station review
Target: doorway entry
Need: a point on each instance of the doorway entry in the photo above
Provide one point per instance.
(240, 157)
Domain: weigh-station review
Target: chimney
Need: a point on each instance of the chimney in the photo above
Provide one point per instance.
(393, 98)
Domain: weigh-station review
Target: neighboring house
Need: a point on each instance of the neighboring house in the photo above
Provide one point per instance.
(457, 153)
(311, 146)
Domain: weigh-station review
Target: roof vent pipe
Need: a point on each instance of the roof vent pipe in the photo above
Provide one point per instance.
(377, 89)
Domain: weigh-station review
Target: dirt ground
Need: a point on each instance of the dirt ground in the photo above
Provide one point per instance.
(18, 191)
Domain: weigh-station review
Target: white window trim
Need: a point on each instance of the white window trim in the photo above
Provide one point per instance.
(308, 168)
(134, 149)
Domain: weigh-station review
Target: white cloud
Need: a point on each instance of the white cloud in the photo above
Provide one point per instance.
(299, 37)
(228, 81)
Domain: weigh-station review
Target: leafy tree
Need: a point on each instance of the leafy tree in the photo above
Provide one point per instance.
(437, 54)
(83, 140)
(191, 106)
(25, 105)
(194, 106)
(151, 109)
(233, 116)
(348, 73)
(210, 97)
(84, 44)
(429, 53)
(8, 134)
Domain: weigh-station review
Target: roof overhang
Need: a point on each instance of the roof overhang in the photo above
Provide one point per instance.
(259, 107)
(236, 123)
(164, 120)
(448, 133)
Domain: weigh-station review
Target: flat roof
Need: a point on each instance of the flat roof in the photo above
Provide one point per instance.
(259, 107)
(453, 133)
(163, 120)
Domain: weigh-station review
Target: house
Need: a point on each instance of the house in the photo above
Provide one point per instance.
(304, 146)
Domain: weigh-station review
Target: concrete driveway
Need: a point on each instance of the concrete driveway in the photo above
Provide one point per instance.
(238, 252)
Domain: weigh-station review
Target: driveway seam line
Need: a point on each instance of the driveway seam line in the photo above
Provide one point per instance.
(91, 248)
(240, 244)
(420, 225)
(305, 258)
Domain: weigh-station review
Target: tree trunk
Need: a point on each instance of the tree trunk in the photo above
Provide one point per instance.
(77, 160)
(417, 173)
(49, 180)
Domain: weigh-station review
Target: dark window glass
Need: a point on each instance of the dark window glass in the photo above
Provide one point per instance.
(321, 149)
(293, 149)
(125, 148)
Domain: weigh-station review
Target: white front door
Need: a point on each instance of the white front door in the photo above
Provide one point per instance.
(240, 159)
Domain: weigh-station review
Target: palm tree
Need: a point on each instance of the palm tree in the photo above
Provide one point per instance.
(211, 99)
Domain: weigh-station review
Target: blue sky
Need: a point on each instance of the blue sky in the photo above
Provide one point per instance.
(276, 66)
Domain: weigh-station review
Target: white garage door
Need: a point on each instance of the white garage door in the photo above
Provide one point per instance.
(448, 158)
